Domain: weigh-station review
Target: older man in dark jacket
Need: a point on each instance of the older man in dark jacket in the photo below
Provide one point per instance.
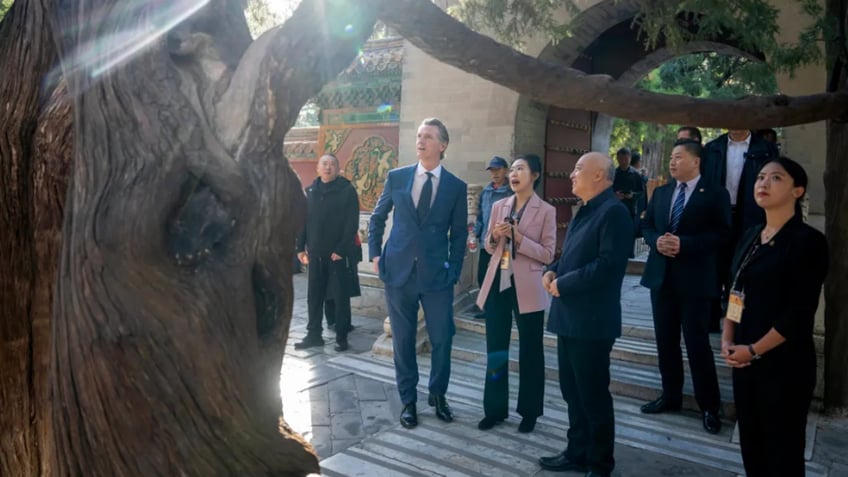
(329, 245)
(586, 315)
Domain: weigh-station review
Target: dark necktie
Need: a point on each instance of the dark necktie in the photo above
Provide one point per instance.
(425, 198)
(677, 209)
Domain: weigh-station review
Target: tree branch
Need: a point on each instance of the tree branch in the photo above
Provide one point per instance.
(290, 63)
(427, 27)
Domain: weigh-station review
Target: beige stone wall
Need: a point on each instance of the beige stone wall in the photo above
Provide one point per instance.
(485, 119)
(807, 143)
(479, 114)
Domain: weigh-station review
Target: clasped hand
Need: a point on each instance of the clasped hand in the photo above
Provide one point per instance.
(506, 229)
(549, 283)
(668, 245)
(736, 356)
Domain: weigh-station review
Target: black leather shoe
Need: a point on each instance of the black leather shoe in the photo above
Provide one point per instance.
(488, 422)
(661, 404)
(310, 341)
(341, 344)
(480, 316)
(712, 423)
(443, 410)
(527, 425)
(331, 326)
(561, 463)
(409, 416)
(592, 473)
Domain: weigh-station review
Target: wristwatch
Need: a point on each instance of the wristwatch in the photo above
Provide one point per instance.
(754, 354)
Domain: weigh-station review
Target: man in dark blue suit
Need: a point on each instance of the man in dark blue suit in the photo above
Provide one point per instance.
(687, 225)
(421, 262)
(586, 315)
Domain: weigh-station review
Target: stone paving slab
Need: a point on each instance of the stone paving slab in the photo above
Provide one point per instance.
(678, 436)
(346, 404)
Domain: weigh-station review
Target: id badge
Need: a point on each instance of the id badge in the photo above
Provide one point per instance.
(735, 305)
(505, 259)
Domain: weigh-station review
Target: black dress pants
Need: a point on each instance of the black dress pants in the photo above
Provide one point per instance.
(500, 308)
(584, 378)
(482, 265)
(316, 296)
(672, 311)
(772, 403)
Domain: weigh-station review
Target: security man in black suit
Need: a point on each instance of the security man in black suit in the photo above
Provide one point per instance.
(733, 160)
(686, 224)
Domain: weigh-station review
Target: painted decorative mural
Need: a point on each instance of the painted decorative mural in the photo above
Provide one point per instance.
(367, 169)
(358, 122)
(334, 139)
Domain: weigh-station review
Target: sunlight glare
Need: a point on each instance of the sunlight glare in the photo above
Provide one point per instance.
(297, 408)
(107, 51)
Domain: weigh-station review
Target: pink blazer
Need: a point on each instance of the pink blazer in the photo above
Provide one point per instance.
(538, 225)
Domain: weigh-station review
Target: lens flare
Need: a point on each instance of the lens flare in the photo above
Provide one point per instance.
(130, 30)
(498, 365)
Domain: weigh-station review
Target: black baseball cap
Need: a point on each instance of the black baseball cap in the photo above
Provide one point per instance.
(497, 161)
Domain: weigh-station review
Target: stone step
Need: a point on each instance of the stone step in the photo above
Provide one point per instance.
(633, 346)
(633, 370)
(461, 449)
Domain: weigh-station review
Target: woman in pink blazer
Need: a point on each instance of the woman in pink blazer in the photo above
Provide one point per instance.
(521, 239)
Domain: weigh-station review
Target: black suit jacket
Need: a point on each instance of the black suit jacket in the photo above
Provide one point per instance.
(782, 283)
(704, 230)
(714, 171)
(591, 269)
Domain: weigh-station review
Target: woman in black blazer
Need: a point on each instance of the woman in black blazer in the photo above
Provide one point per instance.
(776, 278)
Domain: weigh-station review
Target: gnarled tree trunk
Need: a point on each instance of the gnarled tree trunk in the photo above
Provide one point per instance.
(34, 154)
(836, 212)
(174, 296)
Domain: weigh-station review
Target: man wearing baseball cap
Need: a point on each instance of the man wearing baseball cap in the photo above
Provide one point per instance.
(495, 191)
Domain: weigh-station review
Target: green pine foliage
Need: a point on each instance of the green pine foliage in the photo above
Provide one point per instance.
(5, 5)
(750, 25)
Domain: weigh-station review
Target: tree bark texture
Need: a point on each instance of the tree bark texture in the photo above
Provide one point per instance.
(438, 34)
(175, 290)
(34, 153)
(836, 215)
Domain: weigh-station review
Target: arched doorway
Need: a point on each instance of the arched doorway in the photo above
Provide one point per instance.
(604, 41)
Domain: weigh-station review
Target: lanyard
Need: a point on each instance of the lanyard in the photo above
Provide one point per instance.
(517, 218)
(750, 255)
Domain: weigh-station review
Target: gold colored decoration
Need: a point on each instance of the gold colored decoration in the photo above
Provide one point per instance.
(565, 124)
(334, 139)
(367, 169)
(570, 150)
(563, 200)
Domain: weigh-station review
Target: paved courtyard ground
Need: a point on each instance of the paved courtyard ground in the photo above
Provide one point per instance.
(346, 405)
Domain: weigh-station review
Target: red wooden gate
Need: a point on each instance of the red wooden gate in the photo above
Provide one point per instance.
(568, 136)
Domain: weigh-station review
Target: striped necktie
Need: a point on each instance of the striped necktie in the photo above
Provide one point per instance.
(677, 209)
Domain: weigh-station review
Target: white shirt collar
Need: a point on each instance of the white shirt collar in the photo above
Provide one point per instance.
(420, 171)
(691, 184)
(746, 141)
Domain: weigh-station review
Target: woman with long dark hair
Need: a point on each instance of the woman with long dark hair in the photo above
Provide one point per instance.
(521, 239)
(776, 280)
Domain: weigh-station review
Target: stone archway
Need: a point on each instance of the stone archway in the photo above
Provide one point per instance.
(602, 127)
(603, 41)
